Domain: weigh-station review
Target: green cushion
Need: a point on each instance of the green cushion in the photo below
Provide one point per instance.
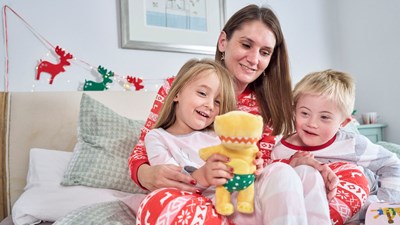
(115, 212)
(391, 147)
(105, 141)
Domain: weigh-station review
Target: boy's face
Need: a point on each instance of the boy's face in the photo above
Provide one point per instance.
(318, 119)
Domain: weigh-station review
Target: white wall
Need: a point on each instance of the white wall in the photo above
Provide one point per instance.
(358, 36)
(87, 29)
(90, 31)
(303, 24)
(367, 46)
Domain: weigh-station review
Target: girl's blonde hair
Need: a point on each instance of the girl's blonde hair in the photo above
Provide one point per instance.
(336, 86)
(190, 71)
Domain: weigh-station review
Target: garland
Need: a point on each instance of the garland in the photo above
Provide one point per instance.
(64, 61)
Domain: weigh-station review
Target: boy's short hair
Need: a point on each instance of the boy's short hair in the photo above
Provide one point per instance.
(337, 86)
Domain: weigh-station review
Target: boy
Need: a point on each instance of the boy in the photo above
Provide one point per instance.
(323, 104)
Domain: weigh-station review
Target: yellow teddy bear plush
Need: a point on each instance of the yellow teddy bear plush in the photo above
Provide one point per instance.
(239, 133)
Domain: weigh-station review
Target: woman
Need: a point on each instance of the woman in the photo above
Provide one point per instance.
(252, 47)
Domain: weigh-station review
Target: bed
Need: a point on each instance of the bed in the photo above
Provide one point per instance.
(64, 156)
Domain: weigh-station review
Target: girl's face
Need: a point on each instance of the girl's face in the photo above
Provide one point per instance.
(248, 52)
(197, 104)
(317, 119)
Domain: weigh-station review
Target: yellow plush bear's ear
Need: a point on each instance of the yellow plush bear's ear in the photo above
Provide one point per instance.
(239, 124)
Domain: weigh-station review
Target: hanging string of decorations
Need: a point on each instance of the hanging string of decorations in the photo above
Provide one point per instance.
(65, 58)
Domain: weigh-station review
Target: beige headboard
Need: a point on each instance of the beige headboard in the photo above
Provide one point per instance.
(49, 120)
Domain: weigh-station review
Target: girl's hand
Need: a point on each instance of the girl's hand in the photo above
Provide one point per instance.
(260, 163)
(214, 172)
(169, 176)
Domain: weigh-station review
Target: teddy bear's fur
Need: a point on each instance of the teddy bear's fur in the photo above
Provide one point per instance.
(239, 133)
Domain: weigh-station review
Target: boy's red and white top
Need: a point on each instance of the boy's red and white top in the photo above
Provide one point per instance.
(380, 166)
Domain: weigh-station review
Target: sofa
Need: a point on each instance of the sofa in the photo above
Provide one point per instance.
(79, 139)
(64, 160)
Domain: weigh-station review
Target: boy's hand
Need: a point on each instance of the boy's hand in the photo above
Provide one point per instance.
(330, 179)
(260, 163)
(303, 158)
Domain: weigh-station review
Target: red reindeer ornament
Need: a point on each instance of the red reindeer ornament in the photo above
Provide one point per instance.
(136, 81)
(54, 69)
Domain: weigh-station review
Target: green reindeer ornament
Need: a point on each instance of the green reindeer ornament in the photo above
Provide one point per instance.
(99, 86)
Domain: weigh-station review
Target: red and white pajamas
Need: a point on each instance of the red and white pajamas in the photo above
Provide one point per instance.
(359, 165)
(283, 196)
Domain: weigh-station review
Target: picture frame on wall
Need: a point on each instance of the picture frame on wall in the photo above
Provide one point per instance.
(188, 26)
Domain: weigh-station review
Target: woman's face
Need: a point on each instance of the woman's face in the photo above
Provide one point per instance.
(248, 52)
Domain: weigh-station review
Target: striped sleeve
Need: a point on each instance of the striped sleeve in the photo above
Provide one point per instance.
(138, 156)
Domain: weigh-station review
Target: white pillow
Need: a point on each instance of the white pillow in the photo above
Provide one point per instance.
(44, 199)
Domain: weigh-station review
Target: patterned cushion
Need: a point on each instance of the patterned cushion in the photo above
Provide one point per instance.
(115, 212)
(105, 141)
(395, 148)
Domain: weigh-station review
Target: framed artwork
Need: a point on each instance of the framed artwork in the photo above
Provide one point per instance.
(190, 26)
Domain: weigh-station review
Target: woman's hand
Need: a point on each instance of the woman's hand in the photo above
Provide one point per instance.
(169, 176)
(214, 172)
